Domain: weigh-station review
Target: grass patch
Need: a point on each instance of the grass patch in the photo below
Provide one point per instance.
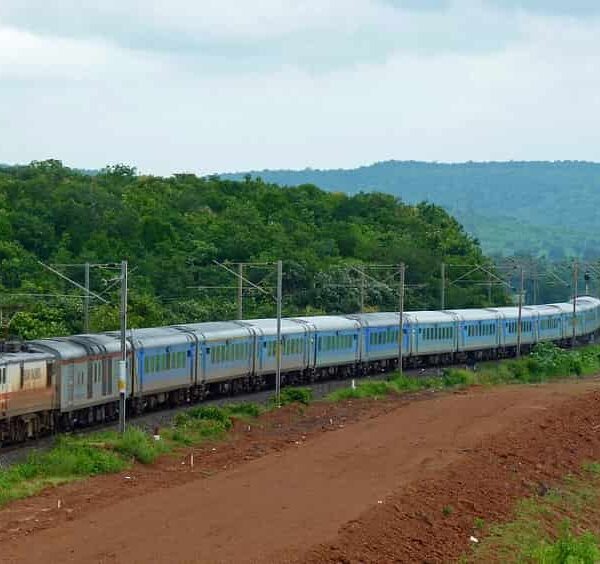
(546, 362)
(542, 530)
(293, 395)
(244, 410)
(76, 457)
(202, 423)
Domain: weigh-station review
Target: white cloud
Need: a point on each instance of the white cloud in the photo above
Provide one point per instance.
(463, 82)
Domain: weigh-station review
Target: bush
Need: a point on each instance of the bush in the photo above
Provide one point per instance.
(457, 377)
(568, 548)
(208, 412)
(73, 458)
(406, 383)
(138, 445)
(243, 410)
(293, 395)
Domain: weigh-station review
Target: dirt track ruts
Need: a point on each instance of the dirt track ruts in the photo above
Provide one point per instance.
(277, 506)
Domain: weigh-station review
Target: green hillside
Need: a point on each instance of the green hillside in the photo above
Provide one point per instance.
(548, 208)
(172, 229)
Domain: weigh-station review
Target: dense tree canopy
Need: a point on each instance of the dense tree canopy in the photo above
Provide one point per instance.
(538, 208)
(172, 229)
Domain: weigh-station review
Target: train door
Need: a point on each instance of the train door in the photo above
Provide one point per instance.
(90, 379)
(107, 377)
(69, 383)
(4, 385)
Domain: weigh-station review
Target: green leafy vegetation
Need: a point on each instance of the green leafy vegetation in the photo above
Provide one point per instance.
(512, 207)
(76, 457)
(208, 422)
(557, 528)
(293, 395)
(546, 362)
(172, 229)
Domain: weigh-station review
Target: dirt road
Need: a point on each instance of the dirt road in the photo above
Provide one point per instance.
(277, 506)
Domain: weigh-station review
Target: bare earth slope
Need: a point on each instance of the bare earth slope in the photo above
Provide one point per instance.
(370, 488)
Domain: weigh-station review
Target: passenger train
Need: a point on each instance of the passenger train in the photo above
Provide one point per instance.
(60, 383)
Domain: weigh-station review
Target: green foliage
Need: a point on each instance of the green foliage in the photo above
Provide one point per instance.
(75, 457)
(204, 413)
(171, 229)
(366, 389)
(243, 410)
(447, 510)
(71, 458)
(294, 395)
(457, 377)
(546, 362)
(483, 196)
(136, 444)
(208, 422)
(568, 549)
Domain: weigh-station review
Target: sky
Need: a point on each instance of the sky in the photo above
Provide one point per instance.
(210, 86)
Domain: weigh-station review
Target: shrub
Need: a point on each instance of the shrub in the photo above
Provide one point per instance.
(568, 548)
(457, 377)
(294, 395)
(245, 409)
(209, 412)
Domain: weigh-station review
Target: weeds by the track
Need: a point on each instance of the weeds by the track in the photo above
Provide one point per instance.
(292, 395)
(543, 530)
(547, 362)
(73, 458)
(76, 457)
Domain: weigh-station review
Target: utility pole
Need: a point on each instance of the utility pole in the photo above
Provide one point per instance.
(520, 313)
(586, 278)
(123, 361)
(401, 316)
(490, 288)
(279, 300)
(86, 300)
(443, 287)
(575, 292)
(362, 291)
(240, 296)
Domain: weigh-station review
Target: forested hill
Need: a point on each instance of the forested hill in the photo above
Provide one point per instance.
(544, 208)
(171, 229)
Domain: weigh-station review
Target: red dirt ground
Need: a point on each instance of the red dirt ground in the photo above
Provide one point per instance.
(362, 481)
